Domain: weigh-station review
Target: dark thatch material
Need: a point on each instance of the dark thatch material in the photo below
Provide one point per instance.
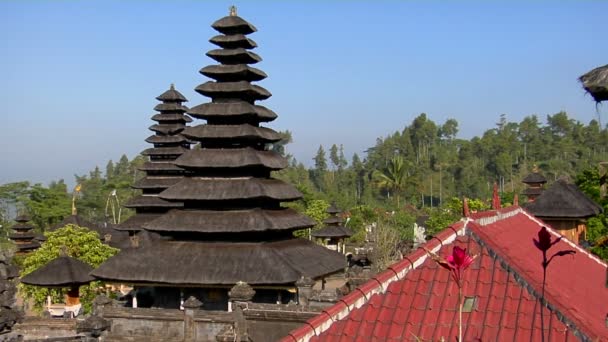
(242, 90)
(64, 271)
(40, 238)
(170, 107)
(234, 56)
(231, 158)
(214, 189)
(563, 200)
(595, 83)
(165, 151)
(229, 221)
(237, 110)
(333, 232)
(151, 202)
(166, 139)
(171, 117)
(22, 226)
(234, 41)
(23, 218)
(233, 24)
(244, 132)
(221, 263)
(29, 246)
(333, 220)
(81, 222)
(167, 129)
(152, 182)
(532, 191)
(159, 166)
(333, 210)
(534, 178)
(172, 95)
(231, 73)
(22, 236)
(136, 222)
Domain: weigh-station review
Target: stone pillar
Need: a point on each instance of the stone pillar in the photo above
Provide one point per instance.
(190, 305)
(100, 303)
(304, 285)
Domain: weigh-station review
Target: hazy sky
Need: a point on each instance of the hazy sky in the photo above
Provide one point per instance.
(78, 78)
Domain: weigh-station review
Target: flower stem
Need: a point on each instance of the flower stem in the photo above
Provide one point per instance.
(460, 313)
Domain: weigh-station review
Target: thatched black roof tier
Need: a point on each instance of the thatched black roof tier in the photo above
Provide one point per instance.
(333, 232)
(22, 218)
(137, 221)
(233, 24)
(595, 83)
(171, 95)
(230, 158)
(563, 200)
(22, 226)
(234, 56)
(171, 117)
(159, 166)
(240, 110)
(165, 151)
(166, 139)
(167, 129)
(22, 236)
(170, 107)
(533, 178)
(241, 90)
(77, 220)
(219, 189)
(230, 221)
(333, 220)
(233, 41)
(158, 182)
(145, 202)
(221, 263)
(64, 271)
(241, 133)
(231, 73)
(332, 210)
(532, 191)
(23, 247)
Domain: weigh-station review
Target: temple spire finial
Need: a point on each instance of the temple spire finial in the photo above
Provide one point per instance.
(172, 86)
(233, 11)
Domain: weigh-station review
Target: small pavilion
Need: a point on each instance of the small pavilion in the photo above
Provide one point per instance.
(62, 272)
(23, 236)
(536, 184)
(334, 233)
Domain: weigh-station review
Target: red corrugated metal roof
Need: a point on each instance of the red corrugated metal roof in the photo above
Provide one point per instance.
(416, 298)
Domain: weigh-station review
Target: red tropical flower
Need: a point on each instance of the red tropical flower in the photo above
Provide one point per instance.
(544, 240)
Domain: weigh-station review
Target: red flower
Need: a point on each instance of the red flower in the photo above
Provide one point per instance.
(544, 240)
(459, 259)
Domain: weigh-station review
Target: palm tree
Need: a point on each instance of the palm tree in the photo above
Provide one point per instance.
(393, 177)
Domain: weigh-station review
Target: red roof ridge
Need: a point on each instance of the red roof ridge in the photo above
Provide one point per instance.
(376, 285)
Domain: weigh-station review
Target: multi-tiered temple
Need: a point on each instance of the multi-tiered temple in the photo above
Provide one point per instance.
(161, 172)
(23, 235)
(231, 227)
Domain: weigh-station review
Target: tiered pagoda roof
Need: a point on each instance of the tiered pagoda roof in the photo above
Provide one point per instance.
(161, 172)
(231, 227)
(23, 235)
(334, 227)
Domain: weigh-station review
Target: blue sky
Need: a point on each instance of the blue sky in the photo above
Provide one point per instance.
(79, 78)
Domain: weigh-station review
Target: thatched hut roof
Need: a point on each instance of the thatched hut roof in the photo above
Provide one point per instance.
(61, 272)
(563, 200)
(172, 95)
(595, 83)
(221, 263)
(534, 178)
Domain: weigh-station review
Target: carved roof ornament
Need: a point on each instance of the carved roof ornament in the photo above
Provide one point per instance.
(233, 11)
(193, 303)
(241, 292)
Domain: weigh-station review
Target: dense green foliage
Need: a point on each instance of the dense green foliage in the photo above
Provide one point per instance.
(78, 242)
(597, 227)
